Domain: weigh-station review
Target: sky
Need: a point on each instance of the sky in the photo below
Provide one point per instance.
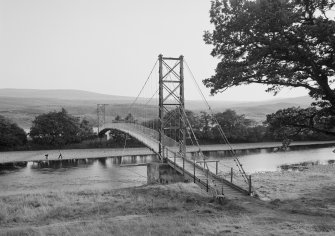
(108, 46)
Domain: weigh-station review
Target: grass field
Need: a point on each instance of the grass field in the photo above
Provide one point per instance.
(177, 209)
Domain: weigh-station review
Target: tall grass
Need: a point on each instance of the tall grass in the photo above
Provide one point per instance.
(177, 209)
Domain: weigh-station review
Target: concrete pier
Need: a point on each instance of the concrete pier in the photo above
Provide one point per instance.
(162, 173)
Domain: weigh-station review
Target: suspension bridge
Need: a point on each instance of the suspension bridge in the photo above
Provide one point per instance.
(168, 132)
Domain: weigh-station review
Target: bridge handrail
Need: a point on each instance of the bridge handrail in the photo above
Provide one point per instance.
(167, 141)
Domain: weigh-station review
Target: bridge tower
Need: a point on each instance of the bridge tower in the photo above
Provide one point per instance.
(172, 102)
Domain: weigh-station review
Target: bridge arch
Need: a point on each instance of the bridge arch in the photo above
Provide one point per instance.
(147, 136)
(138, 137)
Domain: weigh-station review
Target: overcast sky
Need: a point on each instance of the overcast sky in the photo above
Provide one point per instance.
(106, 46)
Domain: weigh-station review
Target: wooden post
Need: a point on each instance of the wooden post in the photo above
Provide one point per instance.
(231, 175)
(249, 184)
(216, 169)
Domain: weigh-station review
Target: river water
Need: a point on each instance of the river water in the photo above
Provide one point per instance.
(108, 173)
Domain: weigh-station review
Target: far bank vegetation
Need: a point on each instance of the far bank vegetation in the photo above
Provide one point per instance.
(59, 130)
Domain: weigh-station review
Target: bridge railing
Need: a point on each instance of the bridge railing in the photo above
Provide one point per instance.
(167, 141)
(153, 134)
(213, 177)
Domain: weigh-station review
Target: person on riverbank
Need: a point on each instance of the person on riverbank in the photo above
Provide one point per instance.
(285, 144)
(46, 156)
(60, 156)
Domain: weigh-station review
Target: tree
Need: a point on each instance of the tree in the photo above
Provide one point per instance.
(205, 120)
(57, 129)
(130, 118)
(278, 43)
(86, 129)
(286, 123)
(11, 135)
(117, 118)
(234, 125)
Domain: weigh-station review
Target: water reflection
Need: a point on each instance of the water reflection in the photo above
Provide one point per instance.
(77, 174)
(267, 160)
(105, 162)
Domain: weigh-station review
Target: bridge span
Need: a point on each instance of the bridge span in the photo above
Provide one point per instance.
(198, 172)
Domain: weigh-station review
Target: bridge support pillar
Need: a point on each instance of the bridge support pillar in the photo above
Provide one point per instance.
(162, 173)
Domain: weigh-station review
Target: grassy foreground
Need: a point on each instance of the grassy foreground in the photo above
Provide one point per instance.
(177, 209)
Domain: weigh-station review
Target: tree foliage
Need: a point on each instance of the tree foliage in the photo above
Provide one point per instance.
(11, 135)
(130, 118)
(287, 123)
(236, 127)
(278, 43)
(58, 129)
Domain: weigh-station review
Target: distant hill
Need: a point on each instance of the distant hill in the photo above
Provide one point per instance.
(66, 94)
(22, 105)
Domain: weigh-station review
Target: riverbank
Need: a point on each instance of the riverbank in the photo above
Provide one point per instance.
(24, 156)
(302, 203)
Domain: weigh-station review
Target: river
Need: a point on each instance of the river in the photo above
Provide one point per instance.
(108, 173)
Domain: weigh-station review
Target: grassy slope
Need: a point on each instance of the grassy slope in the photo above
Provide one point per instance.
(177, 209)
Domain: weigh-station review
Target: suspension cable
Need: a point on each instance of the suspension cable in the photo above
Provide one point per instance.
(130, 107)
(237, 161)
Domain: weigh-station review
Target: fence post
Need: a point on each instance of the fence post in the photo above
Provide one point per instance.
(194, 170)
(207, 181)
(231, 174)
(183, 166)
(216, 169)
(249, 184)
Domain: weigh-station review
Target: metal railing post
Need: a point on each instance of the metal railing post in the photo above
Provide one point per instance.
(207, 182)
(249, 184)
(183, 166)
(194, 170)
(231, 174)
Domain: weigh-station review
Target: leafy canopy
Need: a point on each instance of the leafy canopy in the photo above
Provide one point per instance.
(279, 43)
(11, 135)
(59, 128)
